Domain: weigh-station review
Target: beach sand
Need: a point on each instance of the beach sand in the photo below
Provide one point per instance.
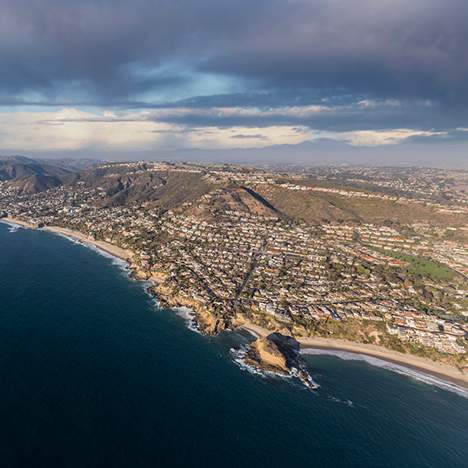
(105, 246)
(442, 371)
(18, 222)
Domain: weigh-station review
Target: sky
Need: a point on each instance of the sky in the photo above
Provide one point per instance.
(290, 80)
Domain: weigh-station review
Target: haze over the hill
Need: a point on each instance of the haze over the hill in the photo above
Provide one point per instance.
(313, 81)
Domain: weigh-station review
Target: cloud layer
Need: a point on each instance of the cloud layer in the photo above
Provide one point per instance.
(248, 73)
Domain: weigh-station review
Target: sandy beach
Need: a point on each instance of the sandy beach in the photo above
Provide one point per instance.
(18, 222)
(442, 371)
(105, 246)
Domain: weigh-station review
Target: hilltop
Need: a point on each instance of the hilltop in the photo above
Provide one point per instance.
(315, 197)
(372, 255)
(32, 176)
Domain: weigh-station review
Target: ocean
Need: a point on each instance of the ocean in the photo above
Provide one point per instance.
(95, 374)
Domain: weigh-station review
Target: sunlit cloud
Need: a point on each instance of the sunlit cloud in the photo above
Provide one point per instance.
(73, 129)
(211, 74)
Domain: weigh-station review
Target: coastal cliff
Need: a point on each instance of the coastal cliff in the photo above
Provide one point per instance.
(279, 354)
(266, 353)
(207, 323)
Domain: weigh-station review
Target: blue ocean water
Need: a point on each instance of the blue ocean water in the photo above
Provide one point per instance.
(93, 374)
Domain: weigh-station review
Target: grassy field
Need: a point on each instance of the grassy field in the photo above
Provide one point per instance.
(424, 267)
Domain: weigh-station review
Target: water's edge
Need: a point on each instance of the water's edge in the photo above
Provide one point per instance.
(189, 317)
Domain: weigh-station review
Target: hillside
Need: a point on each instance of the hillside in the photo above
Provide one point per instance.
(318, 207)
(31, 176)
(207, 192)
(162, 190)
(232, 198)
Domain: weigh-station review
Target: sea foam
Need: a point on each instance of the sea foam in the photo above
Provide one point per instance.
(122, 264)
(399, 369)
(188, 315)
(12, 227)
(343, 402)
(239, 357)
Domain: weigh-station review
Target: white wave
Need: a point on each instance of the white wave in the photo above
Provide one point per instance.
(146, 286)
(73, 240)
(122, 264)
(189, 317)
(304, 377)
(239, 356)
(12, 227)
(399, 369)
(339, 400)
(115, 260)
(155, 300)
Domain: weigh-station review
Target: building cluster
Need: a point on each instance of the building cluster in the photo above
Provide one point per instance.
(266, 266)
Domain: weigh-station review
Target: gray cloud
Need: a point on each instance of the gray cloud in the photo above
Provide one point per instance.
(329, 116)
(103, 48)
(241, 136)
(334, 117)
(370, 64)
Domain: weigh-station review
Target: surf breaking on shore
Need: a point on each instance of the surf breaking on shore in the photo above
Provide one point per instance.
(399, 369)
(431, 373)
(451, 377)
(239, 356)
(118, 261)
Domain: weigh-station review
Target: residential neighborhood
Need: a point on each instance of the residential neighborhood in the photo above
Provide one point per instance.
(228, 252)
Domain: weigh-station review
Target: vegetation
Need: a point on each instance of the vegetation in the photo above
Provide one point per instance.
(423, 267)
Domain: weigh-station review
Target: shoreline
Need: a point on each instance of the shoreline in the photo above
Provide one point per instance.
(442, 371)
(17, 222)
(106, 247)
(425, 366)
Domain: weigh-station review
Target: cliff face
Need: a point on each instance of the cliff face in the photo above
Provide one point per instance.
(280, 354)
(267, 353)
(276, 352)
(206, 321)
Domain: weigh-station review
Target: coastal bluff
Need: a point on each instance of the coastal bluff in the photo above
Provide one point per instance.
(280, 354)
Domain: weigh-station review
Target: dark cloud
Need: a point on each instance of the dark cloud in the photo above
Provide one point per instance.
(366, 64)
(351, 116)
(241, 136)
(109, 49)
(330, 116)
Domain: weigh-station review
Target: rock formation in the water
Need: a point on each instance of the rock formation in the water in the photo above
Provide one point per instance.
(280, 354)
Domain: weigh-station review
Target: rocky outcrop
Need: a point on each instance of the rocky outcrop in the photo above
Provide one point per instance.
(276, 352)
(280, 354)
(265, 353)
(206, 322)
(140, 274)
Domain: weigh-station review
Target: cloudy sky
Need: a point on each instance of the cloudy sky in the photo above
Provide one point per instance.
(317, 77)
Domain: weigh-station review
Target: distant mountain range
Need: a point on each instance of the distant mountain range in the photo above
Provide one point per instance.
(436, 153)
(33, 176)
